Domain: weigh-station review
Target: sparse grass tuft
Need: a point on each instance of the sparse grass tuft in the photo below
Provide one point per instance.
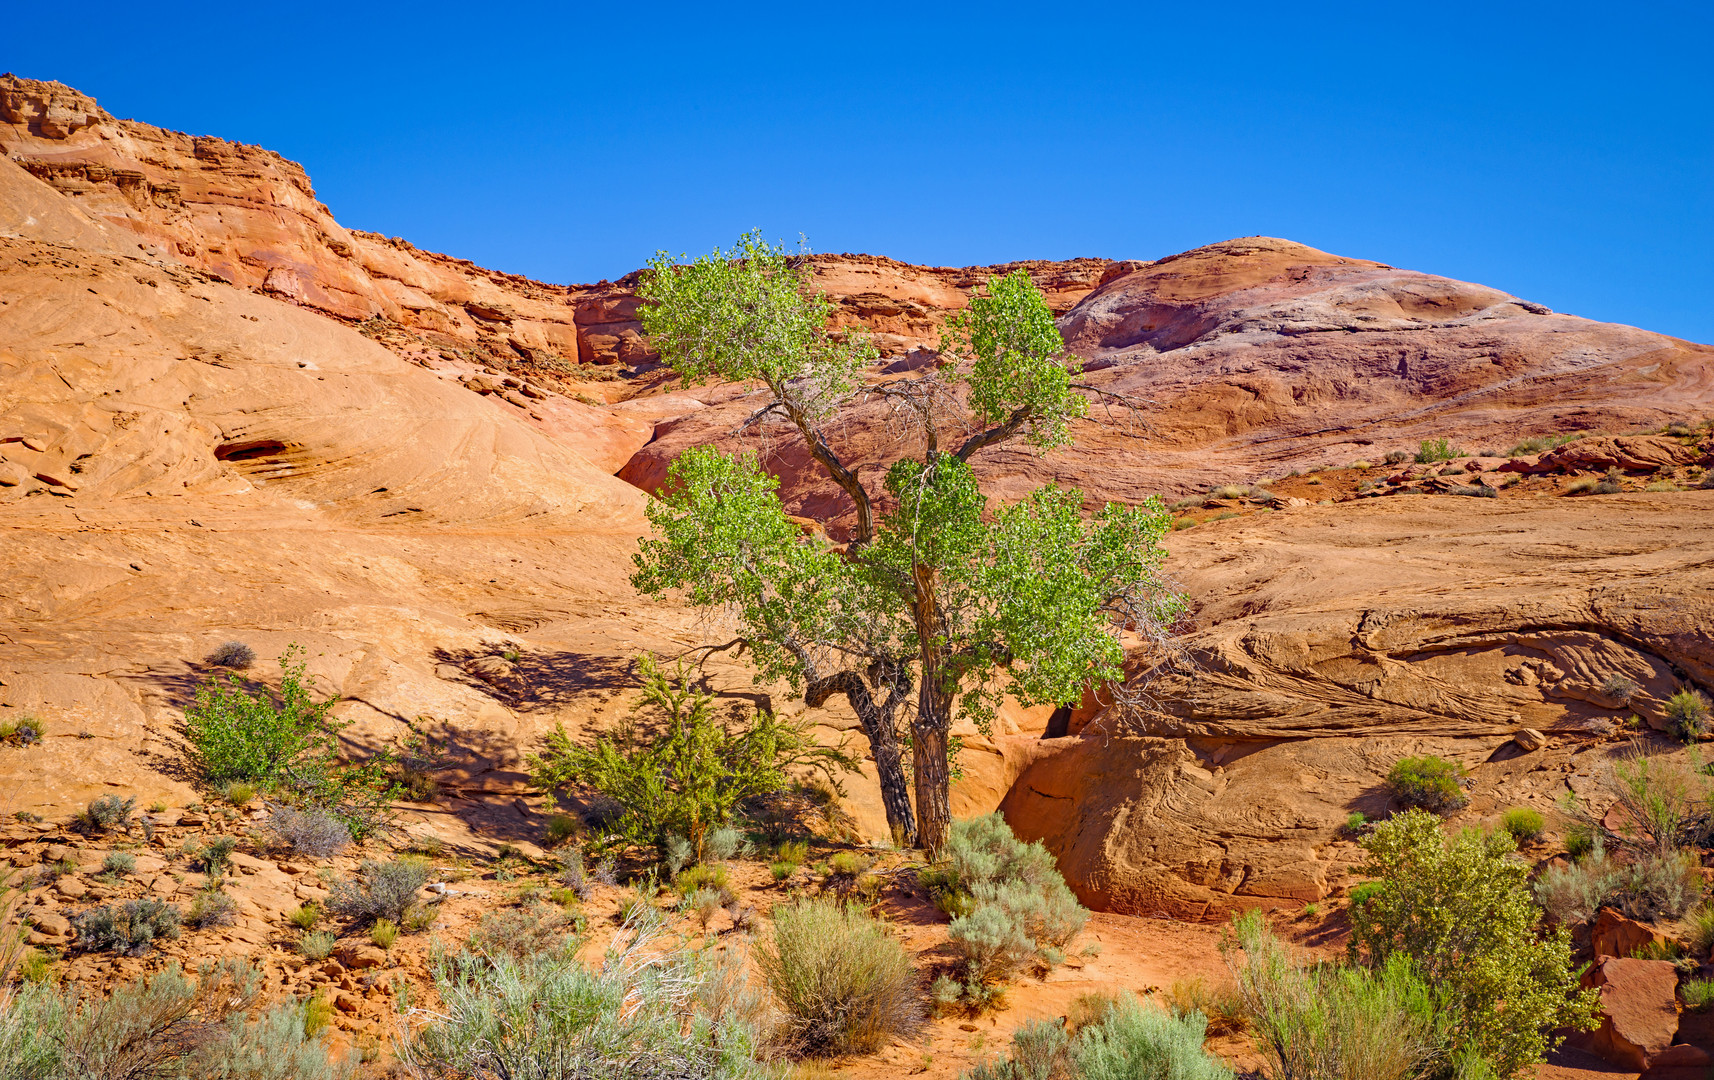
(21, 730)
(384, 933)
(845, 983)
(316, 944)
(1523, 823)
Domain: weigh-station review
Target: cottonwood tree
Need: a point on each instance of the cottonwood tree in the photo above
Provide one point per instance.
(939, 601)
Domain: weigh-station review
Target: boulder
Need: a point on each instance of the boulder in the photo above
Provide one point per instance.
(1529, 739)
(50, 924)
(357, 957)
(1612, 934)
(1639, 1010)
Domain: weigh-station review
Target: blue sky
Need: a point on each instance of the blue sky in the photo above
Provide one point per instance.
(1563, 152)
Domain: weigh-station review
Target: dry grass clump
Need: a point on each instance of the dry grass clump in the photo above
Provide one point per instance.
(847, 986)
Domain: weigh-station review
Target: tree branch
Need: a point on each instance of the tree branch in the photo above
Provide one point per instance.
(1011, 427)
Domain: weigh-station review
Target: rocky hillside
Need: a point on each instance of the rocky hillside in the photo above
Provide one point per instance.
(223, 415)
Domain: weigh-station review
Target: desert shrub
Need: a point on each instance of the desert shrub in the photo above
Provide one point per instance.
(1432, 450)
(571, 873)
(726, 842)
(847, 864)
(1666, 802)
(1698, 994)
(382, 890)
(1459, 909)
(1010, 906)
(384, 933)
(685, 774)
(22, 730)
(1540, 444)
(316, 944)
(702, 904)
(216, 855)
(1130, 1041)
(1355, 822)
(160, 1028)
(1611, 484)
(1398, 457)
(1332, 1022)
(107, 813)
(795, 851)
(233, 654)
(1581, 485)
(288, 743)
(1523, 823)
(238, 792)
(1227, 491)
(1687, 715)
(130, 928)
(1476, 491)
(1361, 894)
(561, 829)
(677, 852)
(211, 908)
(1572, 894)
(1622, 687)
(782, 870)
(1699, 929)
(1220, 1004)
(523, 933)
(1658, 950)
(1661, 885)
(846, 985)
(314, 833)
(647, 1013)
(701, 877)
(119, 863)
(305, 915)
(1429, 782)
(1579, 840)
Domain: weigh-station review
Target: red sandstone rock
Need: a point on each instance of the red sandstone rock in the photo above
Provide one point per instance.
(1612, 934)
(1639, 1011)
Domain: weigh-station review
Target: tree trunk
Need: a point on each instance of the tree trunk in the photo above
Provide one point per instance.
(929, 746)
(883, 746)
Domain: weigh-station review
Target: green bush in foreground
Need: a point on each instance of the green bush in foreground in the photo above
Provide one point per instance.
(650, 1012)
(1429, 782)
(1432, 450)
(847, 985)
(1687, 715)
(1129, 1041)
(1459, 909)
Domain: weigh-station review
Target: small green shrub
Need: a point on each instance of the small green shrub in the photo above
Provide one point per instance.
(1540, 444)
(22, 730)
(1687, 715)
(1129, 1041)
(571, 873)
(316, 944)
(216, 855)
(382, 890)
(233, 654)
(1667, 950)
(781, 871)
(1221, 1004)
(562, 829)
(1355, 822)
(1523, 823)
(211, 908)
(130, 928)
(315, 1014)
(1361, 894)
(305, 915)
(119, 864)
(312, 833)
(701, 877)
(1579, 840)
(795, 851)
(726, 842)
(1698, 994)
(1398, 457)
(1432, 450)
(691, 777)
(846, 985)
(384, 933)
(107, 813)
(1475, 491)
(238, 792)
(1700, 927)
(847, 864)
(701, 905)
(1428, 782)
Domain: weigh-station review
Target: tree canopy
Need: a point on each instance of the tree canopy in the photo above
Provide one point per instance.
(941, 601)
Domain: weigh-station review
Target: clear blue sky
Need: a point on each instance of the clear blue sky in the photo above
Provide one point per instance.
(1563, 151)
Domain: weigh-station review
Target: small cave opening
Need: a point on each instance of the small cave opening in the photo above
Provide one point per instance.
(250, 449)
